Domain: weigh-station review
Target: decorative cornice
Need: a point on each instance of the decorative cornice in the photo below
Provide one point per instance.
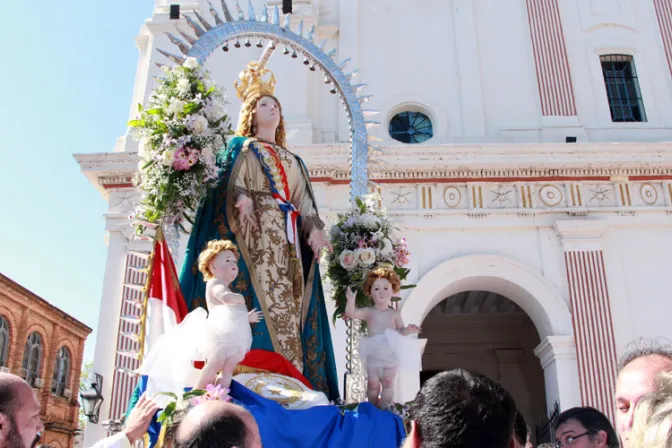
(554, 348)
(447, 164)
(580, 234)
(576, 229)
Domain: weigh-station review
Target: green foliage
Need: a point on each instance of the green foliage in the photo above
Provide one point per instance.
(363, 240)
(180, 130)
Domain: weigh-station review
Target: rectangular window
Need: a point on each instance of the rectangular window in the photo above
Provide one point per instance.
(620, 80)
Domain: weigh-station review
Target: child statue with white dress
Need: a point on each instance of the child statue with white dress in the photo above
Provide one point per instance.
(382, 350)
(228, 336)
(222, 335)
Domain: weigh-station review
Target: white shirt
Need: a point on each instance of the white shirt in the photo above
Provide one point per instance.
(119, 440)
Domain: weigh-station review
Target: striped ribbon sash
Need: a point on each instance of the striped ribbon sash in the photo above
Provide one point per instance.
(277, 179)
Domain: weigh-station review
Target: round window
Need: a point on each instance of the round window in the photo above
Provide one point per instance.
(411, 127)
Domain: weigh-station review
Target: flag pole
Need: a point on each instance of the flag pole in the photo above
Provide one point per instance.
(158, 237)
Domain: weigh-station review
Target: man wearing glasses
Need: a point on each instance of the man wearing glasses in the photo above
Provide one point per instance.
(584, 427)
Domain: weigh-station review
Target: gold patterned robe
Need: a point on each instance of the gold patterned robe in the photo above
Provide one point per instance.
(275, 266)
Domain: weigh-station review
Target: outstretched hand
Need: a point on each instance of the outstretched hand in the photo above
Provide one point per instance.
(317, 241)
(140, 417)
(412, 329)
(255, 316)
(245, 208)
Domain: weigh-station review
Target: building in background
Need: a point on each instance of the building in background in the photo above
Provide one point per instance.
(526, 159)
(44, 346)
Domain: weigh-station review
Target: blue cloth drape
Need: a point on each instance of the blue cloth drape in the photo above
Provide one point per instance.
(320, 426)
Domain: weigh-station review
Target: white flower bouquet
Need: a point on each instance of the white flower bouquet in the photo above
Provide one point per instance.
(363, 239)
(180, 132)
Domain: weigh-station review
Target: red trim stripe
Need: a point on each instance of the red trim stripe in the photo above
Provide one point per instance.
(556, 92)
(664, 15)
(593, 328)
(123, 385)
(571, 282)
(457, 180)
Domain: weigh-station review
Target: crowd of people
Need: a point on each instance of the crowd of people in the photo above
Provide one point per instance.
(455, 409)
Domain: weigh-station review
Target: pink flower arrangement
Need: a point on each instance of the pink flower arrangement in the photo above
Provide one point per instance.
(212, 392)
(402, 255)
(185, 158)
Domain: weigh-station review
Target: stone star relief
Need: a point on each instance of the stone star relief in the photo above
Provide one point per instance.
(600, 194)
(401, 197)
(501, 195)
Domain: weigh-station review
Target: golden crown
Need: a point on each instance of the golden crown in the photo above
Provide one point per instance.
(254, 80)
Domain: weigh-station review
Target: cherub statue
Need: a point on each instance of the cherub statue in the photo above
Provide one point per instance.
(381, 350)
(228, 336)
(222, 335)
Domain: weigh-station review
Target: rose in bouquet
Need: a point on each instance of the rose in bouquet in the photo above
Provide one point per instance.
(179, 132)
(179, 406)
(363, 239)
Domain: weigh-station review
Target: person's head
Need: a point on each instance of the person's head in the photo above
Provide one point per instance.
(462, 409)
(219, 260)
(585, 427)
(218, 424)
(381, 284)
(20, 423)
(652, 425)
(262, 110)
(520, 431)
(637, 370)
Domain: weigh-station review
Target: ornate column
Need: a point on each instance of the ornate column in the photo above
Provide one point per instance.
(556, 93)
(116, 222)
(561, 376)
(591, 311)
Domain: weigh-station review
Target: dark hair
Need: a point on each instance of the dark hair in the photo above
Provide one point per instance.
(222, 430)
(593, 420)
(644, 347)
(520, 428)
(463, 409)
(9, 398)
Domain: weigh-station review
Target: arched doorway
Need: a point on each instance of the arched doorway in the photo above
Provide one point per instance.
(487, 333)
(534, 295)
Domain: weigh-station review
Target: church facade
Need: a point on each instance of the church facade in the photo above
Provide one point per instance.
(526, 159)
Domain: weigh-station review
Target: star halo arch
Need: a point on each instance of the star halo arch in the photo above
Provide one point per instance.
(227, 32)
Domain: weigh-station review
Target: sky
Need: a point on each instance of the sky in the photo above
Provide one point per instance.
(66, 80)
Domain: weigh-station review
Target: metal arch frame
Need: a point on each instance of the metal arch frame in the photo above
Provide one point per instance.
(266, 27)
(225, 32)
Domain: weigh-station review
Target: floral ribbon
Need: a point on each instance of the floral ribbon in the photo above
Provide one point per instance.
(277, 179)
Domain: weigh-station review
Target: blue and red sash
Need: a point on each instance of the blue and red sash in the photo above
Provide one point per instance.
(277, 179)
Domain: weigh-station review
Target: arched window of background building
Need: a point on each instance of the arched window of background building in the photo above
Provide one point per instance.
(32, 359)
(61, 372)
(620, 80)
(4, 341)
(411, 127)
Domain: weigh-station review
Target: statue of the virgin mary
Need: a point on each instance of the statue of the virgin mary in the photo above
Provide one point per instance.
(264, 203)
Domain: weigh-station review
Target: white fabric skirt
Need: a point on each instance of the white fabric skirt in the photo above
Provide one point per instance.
(225, 333)
(389, 350)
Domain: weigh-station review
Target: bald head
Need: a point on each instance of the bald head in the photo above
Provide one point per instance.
(20, 423)
(636, 378)
(11, 388)
(218, 424)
